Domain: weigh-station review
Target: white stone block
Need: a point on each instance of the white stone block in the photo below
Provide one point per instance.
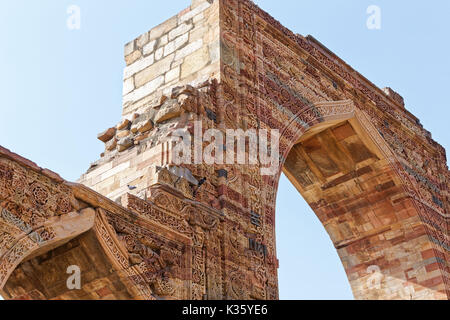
(198, 17)
(144, 91)
(159, 54)
(149, 47)
(189, 15)
(129, 48)
(142, 40)
(163, 41)
(178, 31)
(115, 170)
(181, 40)
(169, 48)
(190, 48)
(138, 66)
(173, 74)
(102, 169)
(128, 86)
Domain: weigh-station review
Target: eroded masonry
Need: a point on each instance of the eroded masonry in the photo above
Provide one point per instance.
(140, 227)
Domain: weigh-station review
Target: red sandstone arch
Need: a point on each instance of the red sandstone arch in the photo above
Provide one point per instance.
(379, 231)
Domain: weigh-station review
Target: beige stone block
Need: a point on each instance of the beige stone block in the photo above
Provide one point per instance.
(117, 193)
(145, 126)
(187, 50)
(181, 40)
(133, 57)
(122, 134)
(140, 106)
(153, 71)
(195, 62)
(159, 54)
(111, 144)
(181, 29)
(138, 66)
(149, 47)
(198, 18)
(212, 35)
(104, 183)
(177, 63)
(214, 51)
(173, 74)
(155, 151)
(163, 41)
(169, 48)
(143, 91)
(197, 33)
(167, 113)
(205, 74)
(196, 3)
(163, 28)
(98, 171)
(124, 144)
(129, 48)
(194, 12)
(175, 44)
(142, 40)
(128, 86)
(130, 177)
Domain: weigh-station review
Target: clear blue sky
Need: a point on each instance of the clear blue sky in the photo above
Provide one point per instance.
(59, 88)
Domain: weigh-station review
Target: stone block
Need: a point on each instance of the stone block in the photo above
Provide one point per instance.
(163, 41)
(149, 47)
(172, 74)
(168, 111)
(111, 144)
(194, 12)
(128, 86)
(122, 134)
(153, 71)
(195, 62)
(181, 40)
(142, 40)
(125, 124)
(163, 28)
(181, 29)
(129, 48)
(144, 91)
(169, 48)
(106, 135)
(133, 57)
(198, 18)
(159, 54)
(138, 66)
(187, 50)
(176, 44)
(145, 126)
(124, 144)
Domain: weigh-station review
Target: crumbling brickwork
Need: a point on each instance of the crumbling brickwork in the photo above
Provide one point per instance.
(372, 174)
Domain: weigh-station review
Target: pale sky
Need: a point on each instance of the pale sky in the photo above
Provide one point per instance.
(59, 88)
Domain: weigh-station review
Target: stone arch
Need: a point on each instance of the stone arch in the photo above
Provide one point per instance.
(38, 240)
(379, 231)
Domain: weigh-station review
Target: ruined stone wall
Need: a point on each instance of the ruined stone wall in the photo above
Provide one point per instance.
(184, 49)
